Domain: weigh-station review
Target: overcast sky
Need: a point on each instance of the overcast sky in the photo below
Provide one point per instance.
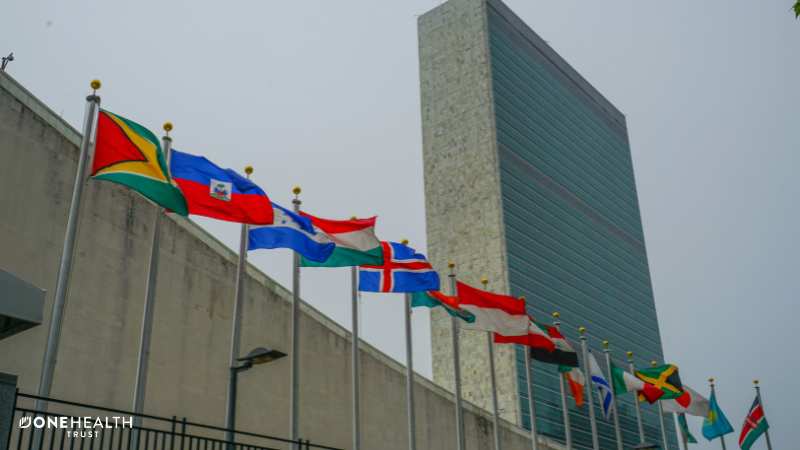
(325, 95)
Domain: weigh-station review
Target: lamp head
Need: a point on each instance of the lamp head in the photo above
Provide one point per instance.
(261, 355)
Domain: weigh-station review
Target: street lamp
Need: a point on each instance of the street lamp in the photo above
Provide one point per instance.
(257, 356)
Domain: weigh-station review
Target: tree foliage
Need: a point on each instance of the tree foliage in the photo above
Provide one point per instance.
(797, 10)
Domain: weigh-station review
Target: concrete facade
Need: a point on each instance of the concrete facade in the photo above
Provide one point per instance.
(192, 326)
(463, 206)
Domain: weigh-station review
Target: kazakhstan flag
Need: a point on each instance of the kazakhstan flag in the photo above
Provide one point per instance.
(716, 425)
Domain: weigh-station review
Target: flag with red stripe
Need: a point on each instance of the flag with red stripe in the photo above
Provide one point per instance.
(754, 426)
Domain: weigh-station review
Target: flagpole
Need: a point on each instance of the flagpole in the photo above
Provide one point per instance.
(294, 413)
(412, 435)
(563, 378)
(356, 376)
(713, 394)
(236, 338)
(683, 435)
(607, 351)
(412, 432)
(588, 387)
(760, 403)
(493, 379)
(456, 363)
(636, 399)
(67, 255)
(531, 402)
(150, 300)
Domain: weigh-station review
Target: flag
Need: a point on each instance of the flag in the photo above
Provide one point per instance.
(403, 270)
(754, 426)
(536, 337)
(715, 425)
(493, 312)
(685, 430)
(576, 381)
(603, 390)
(356, 244)
(219, 193)
(128, 153)
(432, 299)
(625, 382)
(690, 403)
(290, 230)
(665, 378)
(562, 354)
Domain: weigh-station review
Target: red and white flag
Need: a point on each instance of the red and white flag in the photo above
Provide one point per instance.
(493, 312)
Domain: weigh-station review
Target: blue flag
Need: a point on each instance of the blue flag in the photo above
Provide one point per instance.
(715, 425)
(403, 270)
(290, 230)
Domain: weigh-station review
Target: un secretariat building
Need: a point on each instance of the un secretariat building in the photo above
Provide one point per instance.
(529, 183)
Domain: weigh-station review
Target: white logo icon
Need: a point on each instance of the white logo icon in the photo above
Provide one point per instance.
(25, 422)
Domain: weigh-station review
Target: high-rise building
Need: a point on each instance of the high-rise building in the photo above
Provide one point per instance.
(529, 183)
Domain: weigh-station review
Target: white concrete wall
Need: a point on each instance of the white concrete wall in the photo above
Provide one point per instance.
(463, 204)
(192, 328)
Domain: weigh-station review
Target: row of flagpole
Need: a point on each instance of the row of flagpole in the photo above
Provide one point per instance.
(62, 286)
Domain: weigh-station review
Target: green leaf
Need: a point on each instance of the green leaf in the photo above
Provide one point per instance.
(797, 10)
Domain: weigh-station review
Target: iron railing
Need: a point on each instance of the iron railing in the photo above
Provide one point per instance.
(156, 433)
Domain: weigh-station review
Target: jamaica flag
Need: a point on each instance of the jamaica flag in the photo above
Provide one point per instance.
(665, 378)
(129, 154)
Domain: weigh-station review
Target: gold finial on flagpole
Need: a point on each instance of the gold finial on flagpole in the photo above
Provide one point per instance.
(296, 190)
(582, 330)
(606, 343)
(95, 84)
(167, 126)
(654, 363)
(353, 218)
(630, 354)
(522, 298)
(755, 382)
(404, 242)
(248, 170)
(710, 380)
(484, 281)
(555, 315)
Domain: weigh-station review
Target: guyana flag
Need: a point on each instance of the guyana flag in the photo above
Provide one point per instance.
(128, 153)
(665, 378)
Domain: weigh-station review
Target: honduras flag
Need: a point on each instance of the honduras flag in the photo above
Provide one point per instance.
(603, 391)
(403, 270)
(290, 230)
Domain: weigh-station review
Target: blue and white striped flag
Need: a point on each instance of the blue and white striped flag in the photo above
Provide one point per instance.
(290, 230)
(603, 390)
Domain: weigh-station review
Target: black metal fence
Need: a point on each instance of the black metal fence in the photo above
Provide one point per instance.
(110, 429)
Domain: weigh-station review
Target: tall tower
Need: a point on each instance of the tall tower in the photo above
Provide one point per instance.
(529, 183)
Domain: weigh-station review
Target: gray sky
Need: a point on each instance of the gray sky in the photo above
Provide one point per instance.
(325, 95)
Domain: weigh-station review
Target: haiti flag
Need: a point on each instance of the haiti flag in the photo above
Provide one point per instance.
(219, 193)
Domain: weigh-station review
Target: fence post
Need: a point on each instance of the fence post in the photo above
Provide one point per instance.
(183, 431)
(172, 436)
(8, 388)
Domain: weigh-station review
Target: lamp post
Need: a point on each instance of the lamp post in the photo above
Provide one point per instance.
(257, 356)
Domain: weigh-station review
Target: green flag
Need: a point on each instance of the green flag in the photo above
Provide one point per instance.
(685, 429)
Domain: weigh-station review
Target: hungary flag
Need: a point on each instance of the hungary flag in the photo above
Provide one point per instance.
(356, 244)
(754, 426)
(128, 153)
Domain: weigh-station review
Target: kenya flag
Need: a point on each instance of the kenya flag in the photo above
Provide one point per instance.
(754, 426)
